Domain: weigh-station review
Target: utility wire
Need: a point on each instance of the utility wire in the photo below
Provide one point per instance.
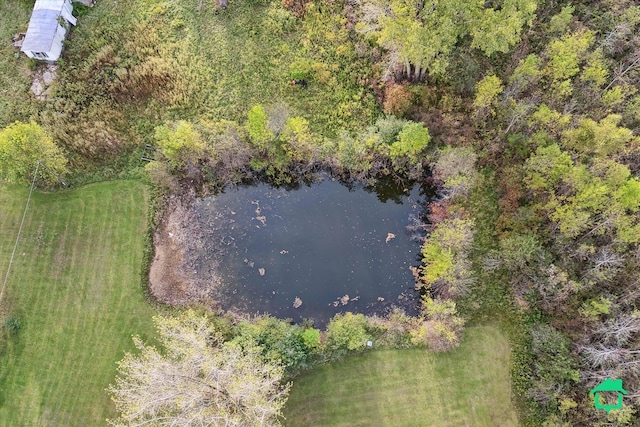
(24, 215)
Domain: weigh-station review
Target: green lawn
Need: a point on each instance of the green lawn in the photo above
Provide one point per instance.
(76, 287)
(469, 386)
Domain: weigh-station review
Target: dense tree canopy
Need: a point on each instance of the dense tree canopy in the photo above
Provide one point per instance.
(422, 35)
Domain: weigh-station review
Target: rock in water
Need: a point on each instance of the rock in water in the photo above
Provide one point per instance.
(297, 302)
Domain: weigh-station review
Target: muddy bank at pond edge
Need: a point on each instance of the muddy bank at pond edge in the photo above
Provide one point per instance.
(174, 276)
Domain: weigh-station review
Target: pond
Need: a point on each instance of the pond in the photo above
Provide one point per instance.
(311, 252)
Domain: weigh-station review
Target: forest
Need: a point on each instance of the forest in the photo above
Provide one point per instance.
(524, 114)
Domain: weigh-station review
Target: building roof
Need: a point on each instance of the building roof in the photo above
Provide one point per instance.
(41, 31)
(42, 26)
(609, 385)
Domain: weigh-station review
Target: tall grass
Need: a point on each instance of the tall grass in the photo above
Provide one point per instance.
(16, 102)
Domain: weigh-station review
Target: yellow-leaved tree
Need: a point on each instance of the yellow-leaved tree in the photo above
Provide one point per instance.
(22, 145)
(196, 379)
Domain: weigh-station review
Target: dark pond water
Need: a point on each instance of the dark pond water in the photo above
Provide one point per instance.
(324, 248)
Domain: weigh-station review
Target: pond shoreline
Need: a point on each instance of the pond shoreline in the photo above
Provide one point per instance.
(198, 237)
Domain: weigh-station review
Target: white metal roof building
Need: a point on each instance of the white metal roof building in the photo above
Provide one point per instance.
(47, 29)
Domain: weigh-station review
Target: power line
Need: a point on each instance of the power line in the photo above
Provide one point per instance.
(24, 215)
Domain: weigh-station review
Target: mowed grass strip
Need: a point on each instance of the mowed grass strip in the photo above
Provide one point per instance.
(469, 386)
(75, 286)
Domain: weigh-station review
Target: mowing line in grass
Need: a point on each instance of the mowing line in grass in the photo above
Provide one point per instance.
(75, 287)
(469, 386)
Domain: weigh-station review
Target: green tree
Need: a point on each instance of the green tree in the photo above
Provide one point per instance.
(387, 129)
(600, 138)
(564, 58)
(438, 261)
(445, 257)
(497, 29)
(21, 146)
(180, 143)
(527, 72)
(595, 71)
(405, 151)
(547, 167)
(196, 380)
(559, 23)
(347, 332)
(566, 54)
(422, 35)
(487, 91)
(598, 199)
(275, 153)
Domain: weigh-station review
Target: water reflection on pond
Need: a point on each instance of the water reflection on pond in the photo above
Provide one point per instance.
(315, 251)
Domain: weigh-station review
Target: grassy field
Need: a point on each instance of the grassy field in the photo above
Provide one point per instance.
(75, 286)
(469, 386)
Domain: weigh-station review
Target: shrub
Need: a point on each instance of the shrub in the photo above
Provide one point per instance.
(392, 330)
(180, 143)
(398, 100)
(12, 325)
(85, 131)
(455, 167)
(80, 9)
(297, 7)
(258, 127)
(278, 341)
(160, 175)
(353, 157)
(442, 328)
(553, 363)
(297, 139)
(347, 332)
(279, 20)
(301, 69)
